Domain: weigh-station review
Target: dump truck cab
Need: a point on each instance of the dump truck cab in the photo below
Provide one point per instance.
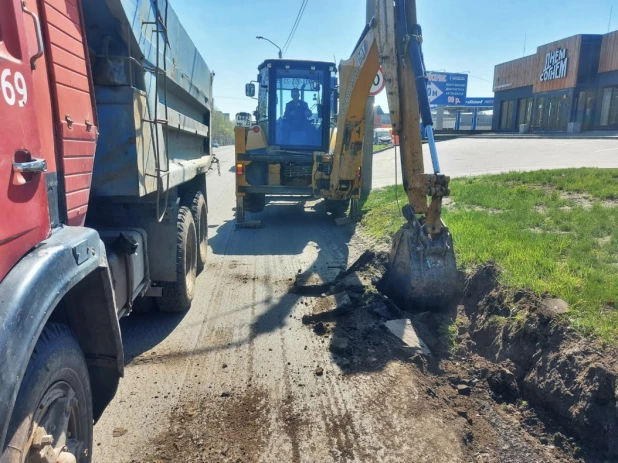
(287, 152)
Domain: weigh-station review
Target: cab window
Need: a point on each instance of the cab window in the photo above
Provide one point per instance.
(299, 95)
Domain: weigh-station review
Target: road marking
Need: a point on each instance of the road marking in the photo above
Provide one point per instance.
(608, 149)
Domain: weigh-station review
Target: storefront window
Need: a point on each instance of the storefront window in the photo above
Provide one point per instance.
(524, 111)
(609, 107)
(506, 115)
(585, 109)
(556, 117)
(538, 118)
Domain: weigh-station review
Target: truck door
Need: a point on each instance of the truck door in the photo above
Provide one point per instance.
(24, 216)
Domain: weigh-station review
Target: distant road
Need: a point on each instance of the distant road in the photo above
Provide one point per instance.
(470, 156)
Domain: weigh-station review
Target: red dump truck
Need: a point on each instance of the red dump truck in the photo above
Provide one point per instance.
(104, 148)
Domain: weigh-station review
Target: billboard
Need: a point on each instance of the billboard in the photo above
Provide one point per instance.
(445, 88)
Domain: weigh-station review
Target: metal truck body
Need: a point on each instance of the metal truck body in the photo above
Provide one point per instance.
(104, 146)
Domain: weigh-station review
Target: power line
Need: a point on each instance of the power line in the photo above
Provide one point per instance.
(301, 11)
(302, 5)
(480, 78)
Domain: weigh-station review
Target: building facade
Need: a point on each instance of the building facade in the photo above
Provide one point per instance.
(568, 85)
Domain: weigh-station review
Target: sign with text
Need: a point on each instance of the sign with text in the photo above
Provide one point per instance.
(480, 102)
(445, 88)
(555, 65)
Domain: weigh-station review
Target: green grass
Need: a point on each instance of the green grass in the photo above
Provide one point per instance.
(379, 147)
(449, 333)
(549, 231)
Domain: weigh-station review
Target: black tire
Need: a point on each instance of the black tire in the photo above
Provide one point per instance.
(56, 371)
(178, 295)
(196, 202)
(337, 208)
(255, 202)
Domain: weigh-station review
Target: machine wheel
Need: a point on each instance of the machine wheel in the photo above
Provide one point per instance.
(52, 417)
(337, 208)
(177, 295)
(255, 202)
(197, 204)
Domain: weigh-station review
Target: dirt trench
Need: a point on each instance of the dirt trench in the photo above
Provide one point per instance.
(507, 351)
(529, 354)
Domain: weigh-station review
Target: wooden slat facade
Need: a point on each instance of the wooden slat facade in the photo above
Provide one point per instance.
(572, 46)
(514, 74)
(609, 53)
(527, 71)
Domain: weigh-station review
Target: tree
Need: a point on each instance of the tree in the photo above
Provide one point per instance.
(222, 128)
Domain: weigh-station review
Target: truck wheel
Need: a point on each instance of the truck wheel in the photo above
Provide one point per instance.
(197, 204)
(337, 208)
(177, 295)
(52, 416)
(255, 202)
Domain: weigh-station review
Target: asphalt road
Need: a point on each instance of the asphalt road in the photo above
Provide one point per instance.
(473, 156)
(236, 375)
(243, 337)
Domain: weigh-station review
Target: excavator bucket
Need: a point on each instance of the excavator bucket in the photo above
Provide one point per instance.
(422, 273)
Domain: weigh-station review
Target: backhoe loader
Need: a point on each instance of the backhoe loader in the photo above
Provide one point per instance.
(308, 141)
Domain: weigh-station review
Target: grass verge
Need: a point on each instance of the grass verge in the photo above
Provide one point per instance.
(553, 231)
(379, 147)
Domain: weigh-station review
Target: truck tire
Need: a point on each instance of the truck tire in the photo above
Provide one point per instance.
(255, 202)
(177, 295)
(337, 208)
(55, 394)
(197, 204)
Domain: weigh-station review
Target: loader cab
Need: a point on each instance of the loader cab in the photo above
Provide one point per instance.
(296, 103)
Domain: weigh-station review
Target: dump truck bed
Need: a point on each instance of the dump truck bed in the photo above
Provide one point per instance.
(153, 92)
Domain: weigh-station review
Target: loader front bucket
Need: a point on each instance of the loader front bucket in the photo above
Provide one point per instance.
(422, 273)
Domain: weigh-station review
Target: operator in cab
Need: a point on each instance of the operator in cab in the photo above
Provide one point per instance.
(297, 110)
(297, 125)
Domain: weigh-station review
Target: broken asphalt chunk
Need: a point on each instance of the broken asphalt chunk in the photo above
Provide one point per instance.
(319, 329)
(464, 389)
(339, 344)
(404, 330)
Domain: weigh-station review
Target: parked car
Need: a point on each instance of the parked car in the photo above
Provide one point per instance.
(382, 137)
(215, 144)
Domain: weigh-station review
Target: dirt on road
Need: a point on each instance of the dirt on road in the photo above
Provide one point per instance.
(261, 371)
(378, 399)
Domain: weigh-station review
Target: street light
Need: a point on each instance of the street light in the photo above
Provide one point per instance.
(259, 37)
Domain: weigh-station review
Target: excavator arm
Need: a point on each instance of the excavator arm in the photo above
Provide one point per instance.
(422, 266)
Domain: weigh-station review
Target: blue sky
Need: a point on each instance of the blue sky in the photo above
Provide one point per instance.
(471, 35)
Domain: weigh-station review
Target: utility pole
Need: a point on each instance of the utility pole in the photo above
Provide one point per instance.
(367, 164)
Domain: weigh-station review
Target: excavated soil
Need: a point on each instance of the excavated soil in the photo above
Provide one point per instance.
(528, 388)
(467, 377)
(528, 354)
(506, 381)
(201, 431)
